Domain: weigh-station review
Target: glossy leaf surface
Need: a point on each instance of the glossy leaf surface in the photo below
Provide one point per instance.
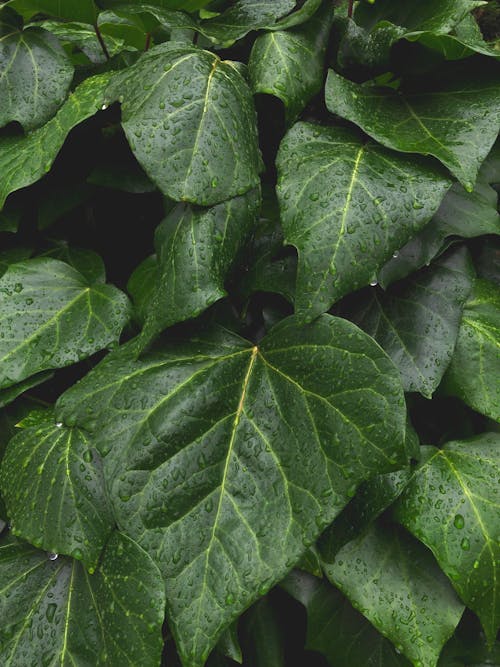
(347, 205)
(452, 505)
(70, 10)
(56, 609)
(190, 488)
(52, 317)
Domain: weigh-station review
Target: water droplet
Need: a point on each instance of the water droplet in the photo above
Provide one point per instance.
(51, 555)
(59, 424)
(465, 544)
(458, 521)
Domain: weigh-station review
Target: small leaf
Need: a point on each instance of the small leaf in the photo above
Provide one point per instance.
(417, 321)
(336, 629)
(419, 121)
(347, 205)
(52, 607)
(290, 64)
(83, 36)
(25, 159)
(142, 285)
(11, 393)
(51, 317)
(201, 435)
(263, 636)
(452, 505)
(190, 121)
(474, 371)
(36, 76)
(52, 485)
(195, 250)
(394, 581)
(85, 261)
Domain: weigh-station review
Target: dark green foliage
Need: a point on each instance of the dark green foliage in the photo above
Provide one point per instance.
(249, 333)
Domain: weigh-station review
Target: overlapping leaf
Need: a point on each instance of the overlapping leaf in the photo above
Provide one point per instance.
(35, 75)
(51, 317)
(195, 249)
(71, 10)
(347, 205)
(417, 321)
(290, 63)
(55, 609)
(51, 482)
(190, 120)
(201, 435)
(395, 583)
(456, 119)
(474, 371)
(452, 505)
(25, 159)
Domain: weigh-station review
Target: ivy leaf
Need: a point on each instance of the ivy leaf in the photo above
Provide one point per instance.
(13, 256)
(51, 317)
(69, 10)
(186, 5)
(437, 17)
(451, 504)
(55, 609)
(419, 121)
(336, 629)
(194, 131)
(11, 393)
(461, 214)
(36, 76)
(289, 64)
(347, 205)
(25, 159)
(52, 485)
(199, 436)
(475, 367)
(141, 286)
(417, 321)
(83, 36)
(195, 250)
(394, 581)
(263, 636)
(85, 261)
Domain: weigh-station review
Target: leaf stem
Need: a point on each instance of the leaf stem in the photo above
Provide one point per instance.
(101, 41)
(148, 41)
(350, 8)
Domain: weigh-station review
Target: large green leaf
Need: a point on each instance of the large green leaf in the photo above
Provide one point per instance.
(394, 581)
(474, 372)
(290, 63)
(50, 317)
(25, 159)
(336, 629)
(455, 118)
(55, 611)
(437, 17)
(190, 120)
(417, 321)
(35, 76)
(52, 485)
(452, 505)
(195, 249)
(462, 214)
(347, 205)
(200, 436)
(70, 10)
(83, 36)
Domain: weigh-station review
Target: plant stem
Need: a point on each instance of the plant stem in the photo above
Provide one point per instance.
(101, 41)
(148, 41)
(350, 8)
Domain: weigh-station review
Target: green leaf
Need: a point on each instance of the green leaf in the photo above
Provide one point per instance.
(336, 629)
(85, 261)
(462, 214)
(195, 250)
(51, 317)
(451, 504)
(186, 5)
(36, 76)
(347, 205)
(263, 636)
(83, 36)
(229, 645)
(11, 393)
(437, 17)
(456, 119)
(194, 131)
(25, 159)
(417, 321)
(55, 609)
(13, 256)
(474, 371)
(394, 581)
(290, 64)
(52, 485)
(84, 11)
(199, 436)
(142, 285)
(10, 218)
